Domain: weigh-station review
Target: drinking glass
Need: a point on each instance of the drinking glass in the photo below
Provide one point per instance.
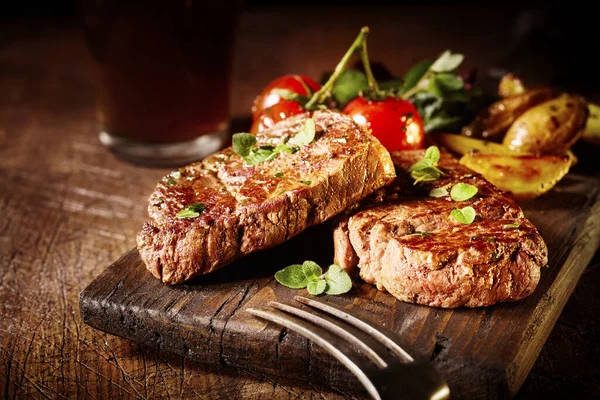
(163, 76)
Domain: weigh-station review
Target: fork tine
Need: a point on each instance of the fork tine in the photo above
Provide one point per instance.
(307, 330)
(330, 326)
(358, 323)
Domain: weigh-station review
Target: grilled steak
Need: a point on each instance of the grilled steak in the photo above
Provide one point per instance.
(250, 208)
(406, 242)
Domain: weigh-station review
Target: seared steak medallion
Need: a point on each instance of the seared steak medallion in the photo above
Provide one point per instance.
(254, 207)
(406, 242)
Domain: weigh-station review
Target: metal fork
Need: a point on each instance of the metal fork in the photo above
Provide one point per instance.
(382, 366)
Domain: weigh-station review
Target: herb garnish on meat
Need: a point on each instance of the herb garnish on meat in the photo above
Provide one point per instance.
(438, 192)
(191, 211)
(464, 216)
(244, 145)
(426, 170)
(462, 191)
(305, 136)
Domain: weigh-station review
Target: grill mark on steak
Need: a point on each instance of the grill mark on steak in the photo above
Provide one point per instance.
(454, 264)
(249, 208)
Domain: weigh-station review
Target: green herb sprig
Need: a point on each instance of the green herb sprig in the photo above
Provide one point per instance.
(438, 192)
(421, 234)
(426, 170)
(305, 136)
(465, 215)
(191, 211)
(309, 275)
(463, 191)
(439, 93)
(244, 144)
(289, 95)
(513, 226)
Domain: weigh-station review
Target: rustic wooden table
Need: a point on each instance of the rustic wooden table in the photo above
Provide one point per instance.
(69, 208)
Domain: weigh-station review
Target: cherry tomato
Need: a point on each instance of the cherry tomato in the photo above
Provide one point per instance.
(274, 114)
(395, 122)
(298, 84)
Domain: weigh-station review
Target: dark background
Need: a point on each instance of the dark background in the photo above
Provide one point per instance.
(550, 43)
(560, 34)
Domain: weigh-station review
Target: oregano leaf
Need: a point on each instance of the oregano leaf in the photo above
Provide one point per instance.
(438, 192)
(258, 156)
(283, 148)
(348, 86)
(420, 165)
(285, 94)
(243, 143)
(311, 270)
(462, 191)
(316, 287)
(427, 174)
(464, 216)
(425, 170)
(449, 82)
(447, 62)
(191, 211)
(292, 277)
(338, 280)
(306, 134)
(414, 75)
(309, 275)
(433, 154)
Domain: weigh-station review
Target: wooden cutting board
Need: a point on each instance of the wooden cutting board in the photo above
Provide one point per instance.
(483, 353)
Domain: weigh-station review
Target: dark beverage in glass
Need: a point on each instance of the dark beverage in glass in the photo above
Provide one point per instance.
(163, 74)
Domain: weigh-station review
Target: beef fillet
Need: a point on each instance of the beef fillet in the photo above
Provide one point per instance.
(406, 242)
(250, 208)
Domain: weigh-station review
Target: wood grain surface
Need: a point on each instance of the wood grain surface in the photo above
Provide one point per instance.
(483, 353)
(69, 208)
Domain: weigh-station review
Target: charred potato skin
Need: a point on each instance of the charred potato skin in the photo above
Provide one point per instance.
(461, 145)
(523, 176)
(496, 119)
(550, 127)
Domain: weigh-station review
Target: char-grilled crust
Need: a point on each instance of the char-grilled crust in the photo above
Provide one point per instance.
(406, 242)
(250, 208)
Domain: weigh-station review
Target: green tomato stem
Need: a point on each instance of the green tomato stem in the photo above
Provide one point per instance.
(364, 56)
(359, 43)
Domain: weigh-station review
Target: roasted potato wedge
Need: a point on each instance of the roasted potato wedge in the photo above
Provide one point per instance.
(510, 85)
(495, 120)
(464, 145)
(591, 132)
(550, 127)
(524, 176)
